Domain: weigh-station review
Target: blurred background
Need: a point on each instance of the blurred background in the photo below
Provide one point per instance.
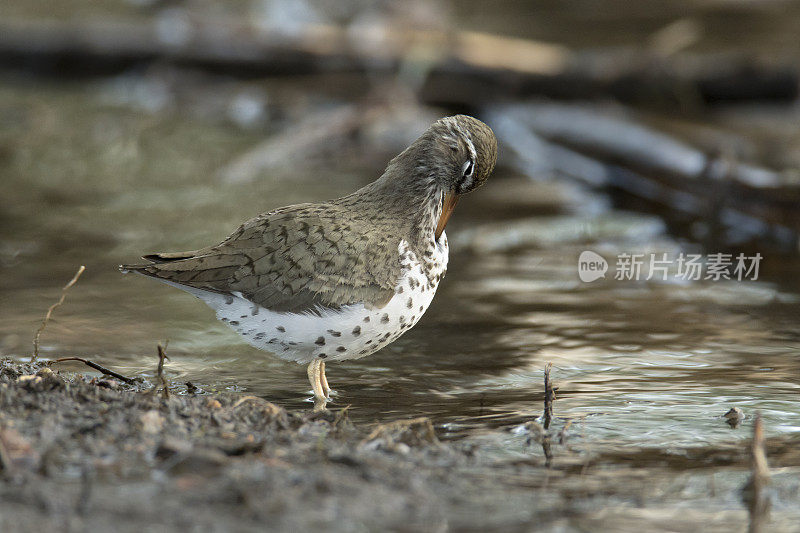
(133, 126)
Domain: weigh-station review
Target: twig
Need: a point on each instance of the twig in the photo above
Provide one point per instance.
(549, 397)
(162, 356)
(50, 312)
(97, 367)
(755, 492)
(341, 417)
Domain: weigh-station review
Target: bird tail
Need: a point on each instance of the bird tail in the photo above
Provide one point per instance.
(155, 259)
(202, 269)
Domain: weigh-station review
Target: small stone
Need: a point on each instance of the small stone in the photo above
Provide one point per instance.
(213, 404)
(152, 422)
(108, 384)
(734, 417)
(18, 449)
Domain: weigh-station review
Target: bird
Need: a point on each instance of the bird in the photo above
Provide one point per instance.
(341, 279)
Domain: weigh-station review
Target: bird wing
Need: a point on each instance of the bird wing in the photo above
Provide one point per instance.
(295, 259)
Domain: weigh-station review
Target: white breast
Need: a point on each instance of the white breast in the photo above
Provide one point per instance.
(351, 332)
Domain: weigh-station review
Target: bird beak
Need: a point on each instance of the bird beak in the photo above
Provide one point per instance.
(449, 203)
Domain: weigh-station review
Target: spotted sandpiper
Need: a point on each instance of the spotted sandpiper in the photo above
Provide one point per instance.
(340, 279)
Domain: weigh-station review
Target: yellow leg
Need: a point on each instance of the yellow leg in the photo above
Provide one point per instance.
(316, 384)
(323, 380)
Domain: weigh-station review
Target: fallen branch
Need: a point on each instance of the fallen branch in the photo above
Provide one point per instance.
(462, 67)
(620, 139)
(97, 367)
(50, 310)
(293, 144)
(240, 47)
(602, 150)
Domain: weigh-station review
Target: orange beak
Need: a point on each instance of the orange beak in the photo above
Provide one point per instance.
(449, 203)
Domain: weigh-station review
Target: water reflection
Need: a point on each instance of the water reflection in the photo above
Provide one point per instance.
(637, 364)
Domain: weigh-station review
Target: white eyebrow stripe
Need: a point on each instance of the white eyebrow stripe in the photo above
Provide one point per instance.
(470, 146)
(472, 154)
(456, 130)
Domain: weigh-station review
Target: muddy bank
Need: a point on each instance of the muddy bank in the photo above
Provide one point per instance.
(97, 454)
(90, 453)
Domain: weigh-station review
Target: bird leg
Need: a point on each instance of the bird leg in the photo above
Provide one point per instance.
(323, 380)
(314, 374)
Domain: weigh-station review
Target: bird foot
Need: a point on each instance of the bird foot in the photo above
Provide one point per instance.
(319, 383)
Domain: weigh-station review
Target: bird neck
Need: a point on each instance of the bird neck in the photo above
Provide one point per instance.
(406, 197)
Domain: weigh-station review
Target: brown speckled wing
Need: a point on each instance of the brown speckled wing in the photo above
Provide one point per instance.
(294, 259)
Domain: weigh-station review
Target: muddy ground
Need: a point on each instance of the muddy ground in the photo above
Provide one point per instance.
(84, 453)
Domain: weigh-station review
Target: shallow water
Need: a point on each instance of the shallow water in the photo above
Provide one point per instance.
(89, 180)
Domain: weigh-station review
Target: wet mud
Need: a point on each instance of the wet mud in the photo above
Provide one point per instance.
(93, 453)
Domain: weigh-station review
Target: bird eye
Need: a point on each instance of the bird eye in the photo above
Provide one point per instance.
(468, 168)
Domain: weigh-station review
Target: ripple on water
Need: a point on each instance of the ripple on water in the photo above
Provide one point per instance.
(637, 364)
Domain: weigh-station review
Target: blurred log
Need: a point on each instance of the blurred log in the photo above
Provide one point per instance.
(755, 493)
(294, 144)
(583, 143)
(462, 68)
(352, 132)
(248, 50)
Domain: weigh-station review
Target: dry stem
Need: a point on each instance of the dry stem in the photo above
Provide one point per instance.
(162, 356)
(549, 397)
(100, 368)
(50, 312)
